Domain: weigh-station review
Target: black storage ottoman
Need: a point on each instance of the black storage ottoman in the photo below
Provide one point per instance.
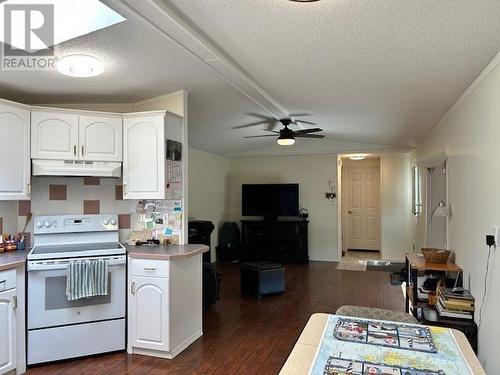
(260, 278)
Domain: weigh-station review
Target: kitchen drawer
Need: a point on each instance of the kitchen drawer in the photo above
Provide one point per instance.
(7, 280)
(150, 267)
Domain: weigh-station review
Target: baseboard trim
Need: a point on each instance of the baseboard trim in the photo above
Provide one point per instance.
(186, 343)
(322, 260)
(167, 355)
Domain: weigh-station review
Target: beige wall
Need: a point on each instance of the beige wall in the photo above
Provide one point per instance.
(208, 177)
(396, 210)
(313, 174)
(173, 102)
(469, 138)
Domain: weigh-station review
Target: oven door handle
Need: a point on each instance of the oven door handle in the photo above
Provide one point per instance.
(49, 265)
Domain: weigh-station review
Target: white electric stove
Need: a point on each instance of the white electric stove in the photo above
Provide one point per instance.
(60, 329)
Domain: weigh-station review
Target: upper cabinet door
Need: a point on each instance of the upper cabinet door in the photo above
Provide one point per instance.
(144, 157)
(101, 138)
(15, 162)
(54, 135)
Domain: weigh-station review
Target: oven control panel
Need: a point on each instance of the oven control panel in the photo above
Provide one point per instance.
(75, 223)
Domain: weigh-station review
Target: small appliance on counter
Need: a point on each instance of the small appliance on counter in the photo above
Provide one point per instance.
(60, 325)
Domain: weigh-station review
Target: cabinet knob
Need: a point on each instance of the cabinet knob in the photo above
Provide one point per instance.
(74, 150)
(28, 189)
(132, 288)
(83, 149)
(14, 302)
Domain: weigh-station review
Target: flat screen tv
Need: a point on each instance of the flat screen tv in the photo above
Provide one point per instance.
(270, 201)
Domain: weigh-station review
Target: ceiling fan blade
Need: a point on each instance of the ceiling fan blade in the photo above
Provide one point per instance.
(272, 131)
(306, 122)
(251, 124)
(301, 115)
(258, 115)
(307, 131)
(309, 136)
(259, 136)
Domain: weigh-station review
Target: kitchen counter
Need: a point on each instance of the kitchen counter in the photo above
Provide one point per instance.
(12, 259)
(165, 252)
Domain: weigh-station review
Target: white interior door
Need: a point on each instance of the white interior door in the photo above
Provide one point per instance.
(361, 205)
(149, 315)
(100, 138)
(54, 135)
(15, 161)
(8, 341)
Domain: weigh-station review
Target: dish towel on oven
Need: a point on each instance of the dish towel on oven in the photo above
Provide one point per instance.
(87, 278)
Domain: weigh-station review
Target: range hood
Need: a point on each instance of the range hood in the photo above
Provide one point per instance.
(76, 168)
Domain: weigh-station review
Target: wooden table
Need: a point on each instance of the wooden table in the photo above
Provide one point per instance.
(301, 358)
(414, 264)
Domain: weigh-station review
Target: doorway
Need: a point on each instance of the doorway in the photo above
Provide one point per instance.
(360, 211)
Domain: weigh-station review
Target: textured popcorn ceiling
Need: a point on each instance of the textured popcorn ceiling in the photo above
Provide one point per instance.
(383, 71)
(376, 71)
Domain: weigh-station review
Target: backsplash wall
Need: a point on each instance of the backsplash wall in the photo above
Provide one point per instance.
(70, 196)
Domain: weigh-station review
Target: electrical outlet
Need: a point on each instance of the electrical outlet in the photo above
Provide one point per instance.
(490, 240)
(495, 233)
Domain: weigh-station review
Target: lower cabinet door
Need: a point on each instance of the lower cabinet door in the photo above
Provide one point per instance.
(8, 357)
(149, 313)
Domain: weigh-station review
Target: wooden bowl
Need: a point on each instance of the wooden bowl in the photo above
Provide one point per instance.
(436, 255)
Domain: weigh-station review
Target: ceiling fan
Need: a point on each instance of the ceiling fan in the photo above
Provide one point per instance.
(286, 136)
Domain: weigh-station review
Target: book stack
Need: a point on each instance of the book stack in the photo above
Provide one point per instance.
(455, 305)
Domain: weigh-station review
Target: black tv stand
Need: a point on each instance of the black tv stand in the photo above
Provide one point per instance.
(275, 240)
(270, 218)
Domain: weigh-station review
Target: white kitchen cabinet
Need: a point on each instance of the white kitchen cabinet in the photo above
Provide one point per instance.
(15, 162)
(149, 306)
(144, 155)
(72, 135)
(164, 305)
(8, 329)
(100, 138)
(54, 135)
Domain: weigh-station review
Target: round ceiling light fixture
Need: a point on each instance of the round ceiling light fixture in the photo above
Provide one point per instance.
(358, 157)
(79, 65)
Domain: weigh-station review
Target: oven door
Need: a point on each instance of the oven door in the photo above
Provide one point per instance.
(47, 302)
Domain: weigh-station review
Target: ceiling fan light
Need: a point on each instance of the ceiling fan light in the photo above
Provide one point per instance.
(285, 141)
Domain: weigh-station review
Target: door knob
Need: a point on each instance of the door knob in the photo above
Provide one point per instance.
(349, 212)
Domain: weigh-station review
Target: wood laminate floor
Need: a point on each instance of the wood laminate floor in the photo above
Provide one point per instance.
(246, 336)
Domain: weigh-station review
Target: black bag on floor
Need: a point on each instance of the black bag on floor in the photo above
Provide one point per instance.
(211, 285)
(229, 242)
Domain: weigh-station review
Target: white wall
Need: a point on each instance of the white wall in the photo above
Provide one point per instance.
(313, 174)
(208, 178)
(396, 210)
(470, 136)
